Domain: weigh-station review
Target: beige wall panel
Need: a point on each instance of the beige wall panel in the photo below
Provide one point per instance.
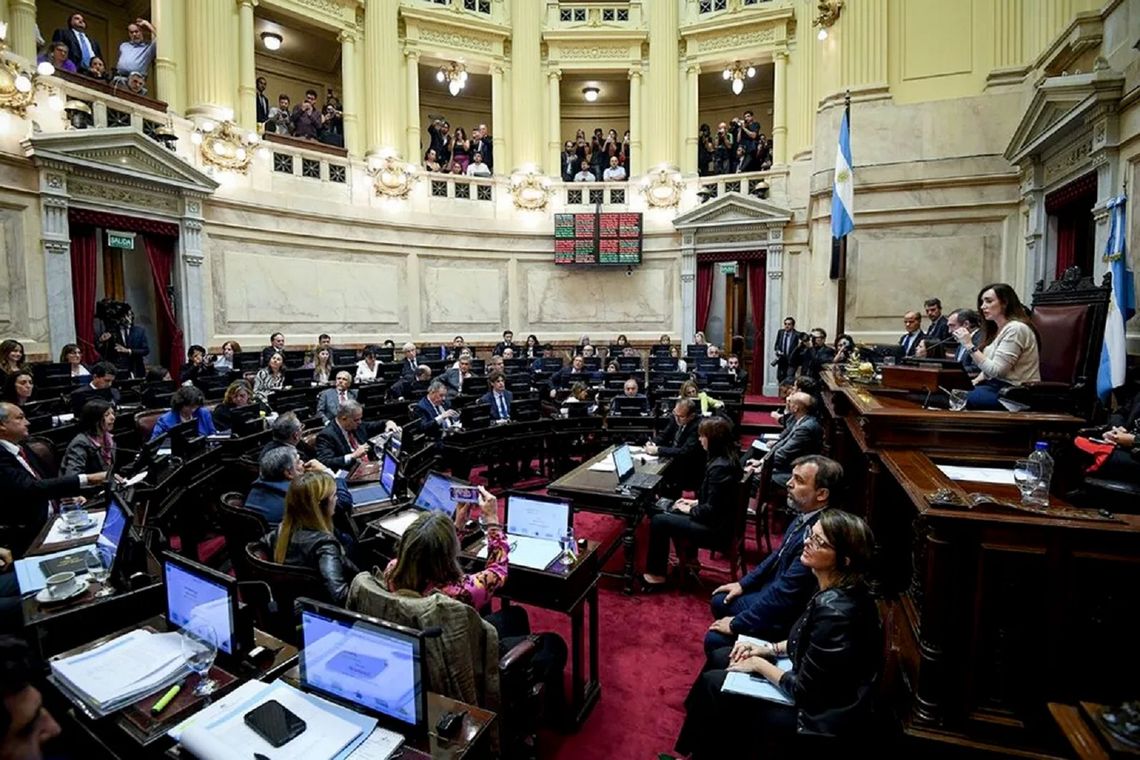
(9, 245)
(936, 49)
(463, 295)
(561, 300)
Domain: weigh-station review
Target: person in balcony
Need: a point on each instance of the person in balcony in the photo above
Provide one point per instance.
(137, 54)
(477, 168)
(97, 70)
(134, 82)
(80, 48)
(279, 122)
(306, 118)
(56, 55)
(742, 162)
(585, 175)
(461, 152)
(615, 172)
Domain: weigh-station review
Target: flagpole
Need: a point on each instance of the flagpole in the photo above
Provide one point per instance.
(841, 311)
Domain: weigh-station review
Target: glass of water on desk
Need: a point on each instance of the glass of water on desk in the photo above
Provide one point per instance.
(1026, 473)
(98, 571)
(200, 647)
(958, 400)
(73, 514)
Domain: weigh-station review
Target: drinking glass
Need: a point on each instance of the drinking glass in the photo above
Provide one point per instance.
(958, 400)
(73, 514)
(569, 545)
(98, 572)
(200, 647)
(1026, 474)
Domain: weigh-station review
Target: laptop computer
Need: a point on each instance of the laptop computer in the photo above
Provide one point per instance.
(535, 526)
(195, 592)
(434, 496)
(631, 406)
(623, 466)
(367, 664)
(380, 490)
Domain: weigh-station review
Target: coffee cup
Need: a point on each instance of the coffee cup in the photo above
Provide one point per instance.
(61, 584)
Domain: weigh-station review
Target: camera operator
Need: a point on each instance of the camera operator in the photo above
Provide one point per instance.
(725, 147)
(121, 342)
(332, 122)
(817, 353)
(306, 119)
(706, 152)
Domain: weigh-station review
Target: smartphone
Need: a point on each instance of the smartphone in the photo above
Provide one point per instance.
(275, 723)
(465, 494)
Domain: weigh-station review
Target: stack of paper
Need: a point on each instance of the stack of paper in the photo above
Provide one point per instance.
(124, 670)
(605, 465)
(751, 685)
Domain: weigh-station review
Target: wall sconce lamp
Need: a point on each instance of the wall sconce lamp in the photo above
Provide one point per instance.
(827, 13)
(18, 80)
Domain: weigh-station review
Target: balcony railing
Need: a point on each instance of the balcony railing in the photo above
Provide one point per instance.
(698, 10)
(767, 184)
(460, 187)
(109, 106)
(562, 15)
(484, 8)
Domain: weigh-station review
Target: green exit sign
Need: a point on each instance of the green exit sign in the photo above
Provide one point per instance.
(124, 240)
(728, 267)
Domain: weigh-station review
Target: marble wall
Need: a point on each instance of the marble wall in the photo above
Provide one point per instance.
(23, 303)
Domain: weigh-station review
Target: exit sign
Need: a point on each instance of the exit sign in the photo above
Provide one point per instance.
(124, 240)
(728, 267)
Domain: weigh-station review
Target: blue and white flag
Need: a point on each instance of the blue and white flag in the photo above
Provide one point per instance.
(1121, 304)
(843, 189)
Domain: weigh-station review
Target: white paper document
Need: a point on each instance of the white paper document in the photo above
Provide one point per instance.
(58, 535)
(247, 691)
(123, 669)
(606, 465)
(998, 475)
(535, 553)
(140, 477)
(380, 745)
(398, 523)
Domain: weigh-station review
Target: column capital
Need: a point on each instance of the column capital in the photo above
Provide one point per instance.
(780, 55)
(250, 3)
(497, 69)
(693, 68)
(412, 55)
(635, 71)
(346, 35)
(555, 73)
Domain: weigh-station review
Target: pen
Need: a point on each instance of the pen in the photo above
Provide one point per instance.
(166, 699)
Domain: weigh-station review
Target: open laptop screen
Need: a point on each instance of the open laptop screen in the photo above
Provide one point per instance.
(623, 462)
(435, 494)
(195, 593)
(537, 516)
(388, 474)
(362, 661)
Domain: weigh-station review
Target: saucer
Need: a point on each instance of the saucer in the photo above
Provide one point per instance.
(91, 522)
(45, 596)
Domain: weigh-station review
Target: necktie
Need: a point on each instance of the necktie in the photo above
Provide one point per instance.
(85, 48)
(907, 342)
(343, 397)
(677, 436)
(796, 525)
(354, 444)
(502, 407)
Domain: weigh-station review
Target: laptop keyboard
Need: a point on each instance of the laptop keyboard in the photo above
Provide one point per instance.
(643, 481)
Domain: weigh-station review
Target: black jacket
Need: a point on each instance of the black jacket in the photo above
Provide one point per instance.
(718, 495)
(836, 649)
(82, 457)
(333, 446)
(85, 393)
(321, 552)
(134, 362)
(74, 51)
(25, 503)
(797, 440)
(689, 459)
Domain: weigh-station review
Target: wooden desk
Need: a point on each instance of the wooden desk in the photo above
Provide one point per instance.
(595, 491)
(1081, 728)
(990, 612)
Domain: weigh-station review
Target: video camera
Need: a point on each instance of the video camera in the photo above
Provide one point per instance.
(113, 314)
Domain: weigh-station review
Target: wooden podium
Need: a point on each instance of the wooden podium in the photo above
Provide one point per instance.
(925, 377)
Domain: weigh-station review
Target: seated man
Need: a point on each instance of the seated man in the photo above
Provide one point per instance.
(330, 399)
(713, 352)
(680, 442)
(939, 330)
(102, 380)
(434, 412)
(802, 435)
(629, 390)
(455, 377)
(411, 387)
(276, 470)
(409, 366)
(567, 376)
(769, 599)
(967, 318)
(508, 341)
(910, 340)
(345, 440)
(498, 398)
(285, 431)
(738, 373)
(276, 346)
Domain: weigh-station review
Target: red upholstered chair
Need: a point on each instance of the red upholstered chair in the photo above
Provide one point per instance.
(145, 422)
(1069, 316)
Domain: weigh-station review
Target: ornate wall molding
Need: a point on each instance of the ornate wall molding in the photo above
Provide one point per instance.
(454, 39)
(103, 191)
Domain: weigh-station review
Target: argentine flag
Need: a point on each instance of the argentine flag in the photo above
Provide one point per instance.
(1121, 304)
(843, 189)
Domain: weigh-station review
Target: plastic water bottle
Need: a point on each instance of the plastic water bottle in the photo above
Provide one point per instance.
(569, 546)
(1040, 494)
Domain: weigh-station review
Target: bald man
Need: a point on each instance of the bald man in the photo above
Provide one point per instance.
(908, 343)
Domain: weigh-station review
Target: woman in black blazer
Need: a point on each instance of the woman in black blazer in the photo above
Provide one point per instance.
(705, 521)
(835, 649)
(92, 449)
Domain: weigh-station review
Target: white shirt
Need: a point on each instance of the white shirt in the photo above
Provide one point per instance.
(478, 170)
(364, 373)
(585, 176)
(614, 174)
(14, 450)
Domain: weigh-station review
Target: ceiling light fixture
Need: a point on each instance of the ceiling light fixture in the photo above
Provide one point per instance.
(590, 94)
(737, 74)
(455, 75)
(271, 40)
(827, 13)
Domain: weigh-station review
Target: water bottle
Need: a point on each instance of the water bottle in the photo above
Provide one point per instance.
(569, 546)
(1040, 494)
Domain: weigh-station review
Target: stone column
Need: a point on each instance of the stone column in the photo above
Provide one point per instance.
(688, 122)
(526, 84)
(56, 247)
(554, 146)
(773, 310)
(381, 69)
(663, 84)
(780, 110)
(22, 28)
(191, 311)
(688, 288)
(500, 128)
(349, 91)
(1035, 221)
(636, 159)
(211, 42)
(862, 44)
(412, 98)
(170, 27)
(247, 71)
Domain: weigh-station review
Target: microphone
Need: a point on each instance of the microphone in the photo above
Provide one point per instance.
(271, 606)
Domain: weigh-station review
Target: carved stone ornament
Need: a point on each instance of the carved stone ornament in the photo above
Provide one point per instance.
(454, 39)
(748, 39)
(662, 187)
(593, 52)
(122, 196)
(227, 146)
(530, 190)
(391, 176)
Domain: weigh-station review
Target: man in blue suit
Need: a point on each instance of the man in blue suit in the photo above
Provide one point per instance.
(498, 398)
(766, 602)
(125, 346)
(435, 416)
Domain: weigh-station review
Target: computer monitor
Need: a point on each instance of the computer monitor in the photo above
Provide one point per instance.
(369, 664)
(631, 405)
(435, 493)
(384, 353)
(629, 363)
(551, 363)
(707, 364)
(623, 462)
(515, 364)
(294, 357)
(546, 517)
(113, 536)
(299, 377)
(344, 356)
(380, 490)
(527, 410)
(247, 360)
(196, 593)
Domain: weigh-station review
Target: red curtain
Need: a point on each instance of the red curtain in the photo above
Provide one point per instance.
(83, 287)
(757, 284)
(704, 293)
(160, 253)
(1066, 243)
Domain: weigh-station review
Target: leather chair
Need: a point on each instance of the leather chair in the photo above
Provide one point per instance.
(240, 526)
(44, 450)
(276, 613)
(145, 422)
(733, 550)
(1069, 316)
(769, 496)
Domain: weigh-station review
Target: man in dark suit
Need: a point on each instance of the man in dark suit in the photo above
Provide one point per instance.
(802, 436)
(508, 341)
(262, 101)
(787, 343)
(457, 377)
(481, 142)
(102, 379)
(811, 358)
(909, 341)
(567, 376)
(679, 441)
(329, 400)
(738, 374)
(498, 398)
(409, 366)
(939, 329)
(276, 346)
(629, 390)
(768, 600)
(967, 318)
(345, 440)
(433, 411)
(126, 347)
(80, 48)
(413, 387)
(28, 487)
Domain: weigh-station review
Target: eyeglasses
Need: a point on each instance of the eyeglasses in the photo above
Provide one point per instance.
(816, 541)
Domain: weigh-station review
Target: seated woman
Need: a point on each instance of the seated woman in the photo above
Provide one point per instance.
(579, 394)
(367, 367)
(675, 353)
(322, 366)
(427, 561)
(186, 404)
(18, 387)
(92, 449)
(690, 389)
(11, 358)
(224, 361)
(72, 355)
(238, 395)
(306, 537)
(1123, 463)
(269, 378)
(1008, 354)
(835, 650)
(533, 347)
(196, 366)
(705, 521)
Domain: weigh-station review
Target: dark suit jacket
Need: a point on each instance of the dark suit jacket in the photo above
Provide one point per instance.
(966, 358)
(489, 399)
(498, 350)
(938, 330)
(798, 440)
(781, 335)
(82, 456)
(717, 496)
(918, 336)
(328, 402)
(487, 148)
(450, 378)
(408, 369)
(426, 414)
(785, 586)
(333, 445)
(262, 108)
(689, 459)
(134, 362)
(26, 499)
(74, 51)
(566, 377)
(405, 388)
(85, 393)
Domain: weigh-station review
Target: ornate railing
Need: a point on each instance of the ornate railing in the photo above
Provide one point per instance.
(570, 15)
